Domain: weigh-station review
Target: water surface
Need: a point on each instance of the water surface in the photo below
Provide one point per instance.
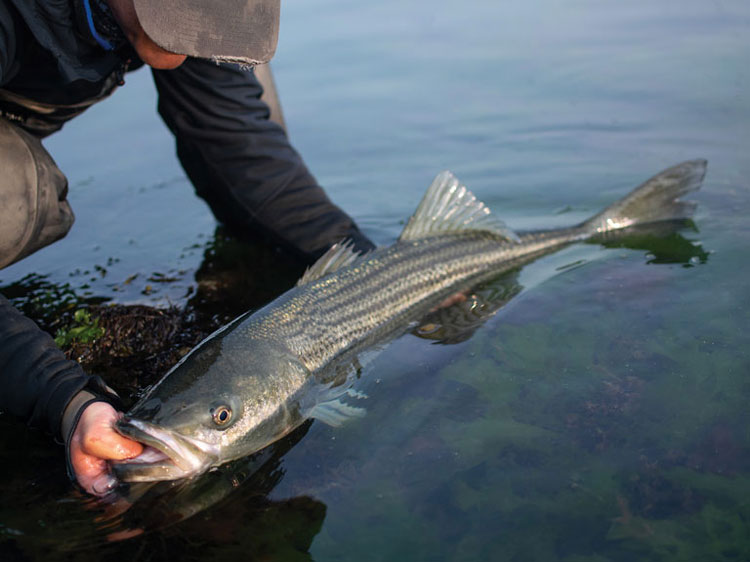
(599, 415)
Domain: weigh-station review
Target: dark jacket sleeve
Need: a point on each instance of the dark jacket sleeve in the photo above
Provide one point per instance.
(7, 43)
(36, 380)
(242, 163)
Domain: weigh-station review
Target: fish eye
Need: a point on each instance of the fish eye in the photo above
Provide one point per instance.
(221, 415)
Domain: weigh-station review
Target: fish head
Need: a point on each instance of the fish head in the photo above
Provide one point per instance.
(181, 440)
(221, 403)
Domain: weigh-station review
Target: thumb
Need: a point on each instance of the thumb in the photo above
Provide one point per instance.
(98, 437)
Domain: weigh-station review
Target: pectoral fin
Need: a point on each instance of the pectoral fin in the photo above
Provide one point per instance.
(335, 412)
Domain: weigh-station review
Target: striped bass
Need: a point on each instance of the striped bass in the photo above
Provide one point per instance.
(263, 375)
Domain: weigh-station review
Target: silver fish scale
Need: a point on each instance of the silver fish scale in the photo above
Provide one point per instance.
(388, 288)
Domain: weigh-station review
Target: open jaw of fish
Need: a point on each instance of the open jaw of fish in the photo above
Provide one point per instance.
(167, 454)
(257, 379)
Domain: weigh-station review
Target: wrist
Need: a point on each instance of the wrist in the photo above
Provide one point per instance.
(73, 412)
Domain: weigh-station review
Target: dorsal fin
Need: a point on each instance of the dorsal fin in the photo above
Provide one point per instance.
(449, 207)
(339, 255)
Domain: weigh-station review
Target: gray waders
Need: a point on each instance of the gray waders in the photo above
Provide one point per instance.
(33, 209)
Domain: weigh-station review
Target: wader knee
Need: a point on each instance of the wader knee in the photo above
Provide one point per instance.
(33, 209)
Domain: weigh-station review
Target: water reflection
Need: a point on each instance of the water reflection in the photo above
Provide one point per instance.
(145, 507)
(662, 242)
(458, 322)
(236, 514)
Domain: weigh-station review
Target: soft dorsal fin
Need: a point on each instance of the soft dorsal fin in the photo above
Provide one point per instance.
(339, 255)
(449, 207)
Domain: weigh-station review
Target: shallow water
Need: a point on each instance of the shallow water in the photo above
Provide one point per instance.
(599, 415)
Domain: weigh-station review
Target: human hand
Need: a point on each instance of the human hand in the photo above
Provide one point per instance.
(93, 443)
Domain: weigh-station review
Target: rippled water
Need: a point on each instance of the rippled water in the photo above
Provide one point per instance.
(600, 415)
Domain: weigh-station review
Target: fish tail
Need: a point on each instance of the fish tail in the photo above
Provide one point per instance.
(656, 200)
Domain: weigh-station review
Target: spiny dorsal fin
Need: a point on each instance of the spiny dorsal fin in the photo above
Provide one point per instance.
(339, 255)
(449, 207)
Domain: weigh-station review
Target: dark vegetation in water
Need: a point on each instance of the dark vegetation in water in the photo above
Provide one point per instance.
(133, 345)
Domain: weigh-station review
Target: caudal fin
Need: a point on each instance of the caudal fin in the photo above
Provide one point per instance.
(656, 200)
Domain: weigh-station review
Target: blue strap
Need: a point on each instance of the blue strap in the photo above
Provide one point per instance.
(106, 45)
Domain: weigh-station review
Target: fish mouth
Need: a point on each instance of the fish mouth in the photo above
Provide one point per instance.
(167, 455)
